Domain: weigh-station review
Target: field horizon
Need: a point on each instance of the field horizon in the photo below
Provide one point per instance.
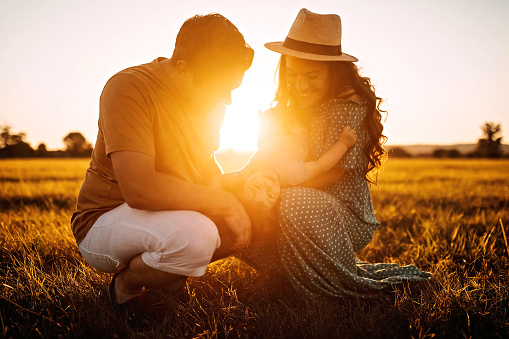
(448, 217)
(412, 149)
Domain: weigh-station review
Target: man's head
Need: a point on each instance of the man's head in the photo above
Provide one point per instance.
(211, 56)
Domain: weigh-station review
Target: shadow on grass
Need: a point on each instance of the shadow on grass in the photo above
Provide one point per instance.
(51, 293)
(47, 203)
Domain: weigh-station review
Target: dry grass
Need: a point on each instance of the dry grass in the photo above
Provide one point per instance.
(447, 217)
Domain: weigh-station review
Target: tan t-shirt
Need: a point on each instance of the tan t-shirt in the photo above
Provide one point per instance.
(140, 110)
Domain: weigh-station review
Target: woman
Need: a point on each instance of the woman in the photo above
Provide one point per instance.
(325, 220)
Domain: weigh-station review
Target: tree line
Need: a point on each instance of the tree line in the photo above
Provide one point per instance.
(13, 145)
(489, 146)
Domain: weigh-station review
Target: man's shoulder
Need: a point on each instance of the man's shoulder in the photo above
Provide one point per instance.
(145, 70)
(138, 77)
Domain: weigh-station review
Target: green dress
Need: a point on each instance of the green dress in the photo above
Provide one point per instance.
(321, 229)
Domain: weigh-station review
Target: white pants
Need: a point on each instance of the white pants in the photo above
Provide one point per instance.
(178, 242)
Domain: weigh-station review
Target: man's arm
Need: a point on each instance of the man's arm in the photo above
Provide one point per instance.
(146, 189)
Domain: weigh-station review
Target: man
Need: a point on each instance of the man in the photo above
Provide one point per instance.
(144, 210)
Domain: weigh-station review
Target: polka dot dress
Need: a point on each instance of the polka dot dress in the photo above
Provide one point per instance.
(321, 229)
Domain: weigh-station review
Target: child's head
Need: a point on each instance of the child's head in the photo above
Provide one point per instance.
(261, 189)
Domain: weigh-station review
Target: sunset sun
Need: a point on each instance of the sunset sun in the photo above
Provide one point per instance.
(240, 128)
(239, 131)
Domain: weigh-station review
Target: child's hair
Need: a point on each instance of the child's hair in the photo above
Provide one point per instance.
(264, 221)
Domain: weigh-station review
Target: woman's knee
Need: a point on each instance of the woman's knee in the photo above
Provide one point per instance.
(302, 205)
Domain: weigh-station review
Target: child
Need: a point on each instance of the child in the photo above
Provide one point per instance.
(280, 162)
(285, 156)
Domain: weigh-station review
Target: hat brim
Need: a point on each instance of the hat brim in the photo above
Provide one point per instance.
(279, 48)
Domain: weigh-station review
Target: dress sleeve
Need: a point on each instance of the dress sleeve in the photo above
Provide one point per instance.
(125, 117)
(354, 114)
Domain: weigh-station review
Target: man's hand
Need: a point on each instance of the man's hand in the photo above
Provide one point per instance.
(230, 217)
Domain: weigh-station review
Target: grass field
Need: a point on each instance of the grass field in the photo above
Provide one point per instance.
(449, 217)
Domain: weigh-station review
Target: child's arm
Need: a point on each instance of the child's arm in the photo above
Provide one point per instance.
(346, 139)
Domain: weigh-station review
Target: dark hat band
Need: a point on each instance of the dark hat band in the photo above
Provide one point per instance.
(309, 47)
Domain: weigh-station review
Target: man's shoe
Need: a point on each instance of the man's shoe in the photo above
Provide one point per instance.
(115, 306)
(145, 306)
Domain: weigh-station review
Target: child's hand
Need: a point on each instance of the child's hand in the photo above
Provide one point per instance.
(348, 137)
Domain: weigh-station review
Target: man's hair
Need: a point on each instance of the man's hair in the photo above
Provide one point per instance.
(210, 43)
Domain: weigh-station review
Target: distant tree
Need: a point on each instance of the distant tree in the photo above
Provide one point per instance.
(490, 146)
(443, 153)
(41, 150)
(439, 153)
(18, 150)
(77, 145)
(453, 153)
(399, 153)
(8, 139)
(12, 145)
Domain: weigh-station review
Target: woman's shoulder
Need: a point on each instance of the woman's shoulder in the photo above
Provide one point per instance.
(355, 98)
(338, 105)
(269, 123)
(273, 112)
(278, 116)
(268, 118)
(348, 94)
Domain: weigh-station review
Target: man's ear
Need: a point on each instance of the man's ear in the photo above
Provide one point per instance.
(184, 70)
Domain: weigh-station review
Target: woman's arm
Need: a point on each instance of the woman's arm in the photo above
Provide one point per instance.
(325, 179)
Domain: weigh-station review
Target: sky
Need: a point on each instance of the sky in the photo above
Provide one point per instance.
(440, 66)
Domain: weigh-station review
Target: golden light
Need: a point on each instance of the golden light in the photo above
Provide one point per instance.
(240, 128)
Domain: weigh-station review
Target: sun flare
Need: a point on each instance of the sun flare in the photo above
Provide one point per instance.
(239, 130)
(240, 127)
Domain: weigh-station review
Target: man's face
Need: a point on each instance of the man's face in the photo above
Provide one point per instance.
(216, 90)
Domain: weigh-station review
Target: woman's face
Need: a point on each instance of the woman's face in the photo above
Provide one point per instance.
(309, 80)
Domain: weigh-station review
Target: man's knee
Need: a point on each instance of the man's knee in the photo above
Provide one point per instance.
(188, 249)
(199, 238)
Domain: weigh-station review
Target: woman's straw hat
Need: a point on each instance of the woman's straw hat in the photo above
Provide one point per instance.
(313, 37)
